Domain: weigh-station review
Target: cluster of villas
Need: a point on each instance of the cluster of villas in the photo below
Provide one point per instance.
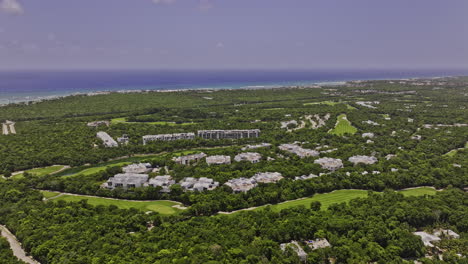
(246, 184)
(252, 157)
(136, 176)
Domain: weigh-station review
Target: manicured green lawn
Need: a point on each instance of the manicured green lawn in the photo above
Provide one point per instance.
(326, 199)
(162, 207)
(124, 120)
(343, 126)
(419, 191)
(340, 196)
(118, 120)
(40, 171)
(453, 152)
(48, 194)
(93, 170)
(330, 103)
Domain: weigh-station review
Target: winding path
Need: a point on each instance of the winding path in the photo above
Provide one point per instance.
(15, 246)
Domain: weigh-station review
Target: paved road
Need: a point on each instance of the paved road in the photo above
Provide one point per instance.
(15, 245)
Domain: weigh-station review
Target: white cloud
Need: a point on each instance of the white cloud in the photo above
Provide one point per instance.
(163, 1)
(11, 7)
(205, 5)
(220, 45)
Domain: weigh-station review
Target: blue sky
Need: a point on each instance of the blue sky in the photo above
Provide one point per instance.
(233, 34)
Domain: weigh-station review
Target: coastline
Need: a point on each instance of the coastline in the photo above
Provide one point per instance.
(12, 98)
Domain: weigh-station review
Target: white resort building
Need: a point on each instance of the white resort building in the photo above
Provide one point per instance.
(262, 145)
(252, 157)
(126, 180)
(218, 160)
(98, 123)
(246, 184)
(168, 137)
(330, 163)
(107, 140)
(165, 182)
(229, 134)
(137, 168)
(368, 160)
(267, 177)
(8, 127)
(186, 160)
(298, 150)
(198, 184)
(241, 184)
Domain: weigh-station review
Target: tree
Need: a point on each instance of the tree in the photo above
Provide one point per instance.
(315, 206)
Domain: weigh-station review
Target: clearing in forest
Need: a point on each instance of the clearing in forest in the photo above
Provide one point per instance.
(40, 171)
(343, 126)
(341, 196)
(162, 207)
(123, 120)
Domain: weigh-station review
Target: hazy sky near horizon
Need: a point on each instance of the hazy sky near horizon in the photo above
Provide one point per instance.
(224, 34)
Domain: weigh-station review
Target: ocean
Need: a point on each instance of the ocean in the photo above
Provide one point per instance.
(17, 86)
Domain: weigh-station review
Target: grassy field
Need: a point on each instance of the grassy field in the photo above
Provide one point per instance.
(418, 191)
(330, 103)
(162, 207)
(343, 126)
(340, 196)
(93, 170)
(453, 152)
(40, 171)
(49, 195)
(124, 120)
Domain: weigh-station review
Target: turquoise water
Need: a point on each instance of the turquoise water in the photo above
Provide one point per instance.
(32, 85)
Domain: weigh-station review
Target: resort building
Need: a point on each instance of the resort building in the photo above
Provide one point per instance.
(446, 233)
(165, 182)
(229, 134)
(200, 184)
(297, 248)
(368, 160)
(186, 160)
(241, 184)
(267, 177)
(124, 139)
(299, 151)
(252, 157)
(427, 238)
(98, 123)
(318, 243)
(305, 177)
(370, 122)
(137, 168)
(8, 127)
(218, 160)
(285, 124)
(126, 180)
(368, 135)
(329, 163)
(168, 137)
(246, 184)
(262, 145)
(107, 140)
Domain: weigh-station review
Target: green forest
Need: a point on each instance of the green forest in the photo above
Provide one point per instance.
(417, 135)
